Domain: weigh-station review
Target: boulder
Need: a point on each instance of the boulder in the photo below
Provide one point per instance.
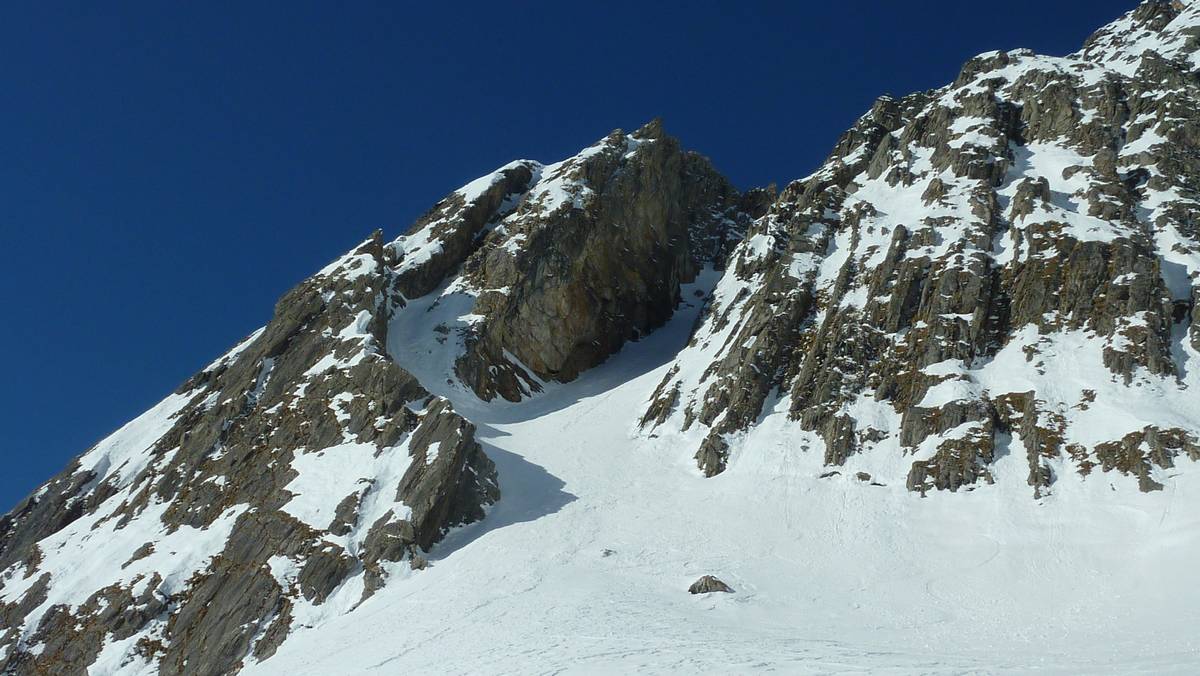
(709, 584)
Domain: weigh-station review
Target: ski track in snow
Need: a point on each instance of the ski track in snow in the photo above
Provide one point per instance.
(583, 565)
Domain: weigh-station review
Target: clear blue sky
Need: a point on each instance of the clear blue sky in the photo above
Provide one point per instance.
(168, 169)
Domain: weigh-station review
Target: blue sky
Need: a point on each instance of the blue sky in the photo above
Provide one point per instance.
(168, 170)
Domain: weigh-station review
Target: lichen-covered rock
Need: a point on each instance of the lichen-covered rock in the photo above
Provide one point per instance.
(603, 245)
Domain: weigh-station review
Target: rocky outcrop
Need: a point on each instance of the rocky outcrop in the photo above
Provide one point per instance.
(439, 242)
(1138, 452)
(598, 270)
(1012, 256)
(310, 458)
(236, 467)
(708, 585)
(564, 263)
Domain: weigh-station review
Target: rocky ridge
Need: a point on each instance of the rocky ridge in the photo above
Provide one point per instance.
(561, 264)
(194, 537)
(1014, 256)
(289, 480)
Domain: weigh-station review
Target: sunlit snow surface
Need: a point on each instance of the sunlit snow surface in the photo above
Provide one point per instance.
(584, 564)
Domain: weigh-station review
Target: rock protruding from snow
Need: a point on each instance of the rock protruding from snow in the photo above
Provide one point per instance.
(555, 267)
(438, 243)
(591, 272)
(708, 585)
(282, 484)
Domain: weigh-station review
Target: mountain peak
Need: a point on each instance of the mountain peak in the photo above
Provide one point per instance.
(651, 130)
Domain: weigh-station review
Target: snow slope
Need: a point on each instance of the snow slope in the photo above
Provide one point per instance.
(583, 566)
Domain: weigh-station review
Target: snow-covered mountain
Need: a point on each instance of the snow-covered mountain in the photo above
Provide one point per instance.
(1006, 264)
(931, 408)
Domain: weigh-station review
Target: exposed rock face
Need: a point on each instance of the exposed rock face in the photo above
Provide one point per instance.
(569, 261)
(1010, 259)
(288, 475)
(285, 482)
(709, 584)
(439, 242)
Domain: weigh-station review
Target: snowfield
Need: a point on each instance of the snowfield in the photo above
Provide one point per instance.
(583, 565)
